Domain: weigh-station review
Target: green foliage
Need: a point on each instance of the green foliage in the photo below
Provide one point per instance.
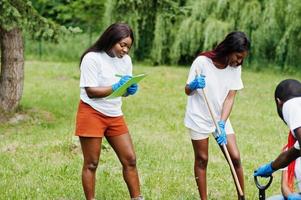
(174, 31)
(288, 49)
(164, 33)
(212, 34)
(86, 14)
(21, 14)
(140, 15)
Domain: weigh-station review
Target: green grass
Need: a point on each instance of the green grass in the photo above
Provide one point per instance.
(40, 158)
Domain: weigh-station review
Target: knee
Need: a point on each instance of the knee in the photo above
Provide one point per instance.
(236, 160)
(92, 165)
(201, 161)
(129, 161)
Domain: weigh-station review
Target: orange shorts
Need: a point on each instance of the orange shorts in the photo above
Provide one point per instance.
(91, 123)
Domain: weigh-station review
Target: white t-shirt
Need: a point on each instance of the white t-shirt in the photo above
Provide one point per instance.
(292, 115)
(218, 84)
(98, 69)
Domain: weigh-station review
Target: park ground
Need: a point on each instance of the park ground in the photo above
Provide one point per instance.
(40, 158)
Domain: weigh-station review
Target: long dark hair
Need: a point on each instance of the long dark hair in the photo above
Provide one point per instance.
(113, 34)
(235, 41)
(286, 90)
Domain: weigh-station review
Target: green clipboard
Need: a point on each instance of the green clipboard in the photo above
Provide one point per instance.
(121, 91)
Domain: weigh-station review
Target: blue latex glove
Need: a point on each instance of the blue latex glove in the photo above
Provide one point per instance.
(294, 196)
(132, 89)
(197, 83)
(264, 171)
(221, 138)
(122, 81)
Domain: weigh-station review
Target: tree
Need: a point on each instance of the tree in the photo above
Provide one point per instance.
(17, 16)
(85, 14)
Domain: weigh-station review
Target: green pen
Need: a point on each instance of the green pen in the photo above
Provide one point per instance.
(118, 75)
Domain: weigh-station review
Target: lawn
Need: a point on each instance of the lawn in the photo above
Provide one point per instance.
(40, 157)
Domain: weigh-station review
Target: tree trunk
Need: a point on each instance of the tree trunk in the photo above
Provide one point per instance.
(12, 69)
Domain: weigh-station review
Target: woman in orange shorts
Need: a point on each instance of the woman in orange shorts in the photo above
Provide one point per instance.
(98, 117)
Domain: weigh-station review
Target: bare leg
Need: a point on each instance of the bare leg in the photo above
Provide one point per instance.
(124, 149)
(200, 148)
(91, 151)
(235, 157)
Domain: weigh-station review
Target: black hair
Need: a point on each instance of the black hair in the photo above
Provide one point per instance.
(113, 34)
(286, 90)
(235, 41)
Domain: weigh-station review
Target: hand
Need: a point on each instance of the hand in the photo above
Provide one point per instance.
(132, 89)
(222, 137)
(197, 83)
(264, 171)
(294, 196)
(122, 81)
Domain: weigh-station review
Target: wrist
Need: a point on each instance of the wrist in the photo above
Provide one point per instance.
(271, 166)
(222, 121)
(114, 86)
(191, 86)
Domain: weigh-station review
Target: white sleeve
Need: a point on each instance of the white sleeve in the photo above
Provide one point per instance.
(88, 74)
(292, 115)
(236, 83)
(130, 65)
(194, 69)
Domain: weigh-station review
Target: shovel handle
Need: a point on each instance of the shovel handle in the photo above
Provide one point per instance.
(228, 158)
(263, 187)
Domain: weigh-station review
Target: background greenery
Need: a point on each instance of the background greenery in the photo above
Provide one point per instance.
(40, 157)
(174, 31)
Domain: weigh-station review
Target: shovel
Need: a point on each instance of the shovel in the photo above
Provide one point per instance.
(262, 188)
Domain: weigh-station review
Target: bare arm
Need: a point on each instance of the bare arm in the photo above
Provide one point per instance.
(285, 158)
(227, 105)
(297, 132)
(98, 92)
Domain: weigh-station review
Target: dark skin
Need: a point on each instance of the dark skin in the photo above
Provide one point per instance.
(201, 146)
(121, 144)
(285, 158)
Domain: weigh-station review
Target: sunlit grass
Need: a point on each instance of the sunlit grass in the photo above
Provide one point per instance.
(40, 158)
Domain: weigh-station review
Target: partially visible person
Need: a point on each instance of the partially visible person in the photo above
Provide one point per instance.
(291, 177)
(218, 72)
(98, 117)
(288, 103)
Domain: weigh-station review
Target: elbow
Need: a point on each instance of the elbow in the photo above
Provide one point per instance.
(187, 91)
(90, 93)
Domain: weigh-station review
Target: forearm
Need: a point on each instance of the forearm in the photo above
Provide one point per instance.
(297, 132)
(285, 158)
(98, 92)
(227, 105)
